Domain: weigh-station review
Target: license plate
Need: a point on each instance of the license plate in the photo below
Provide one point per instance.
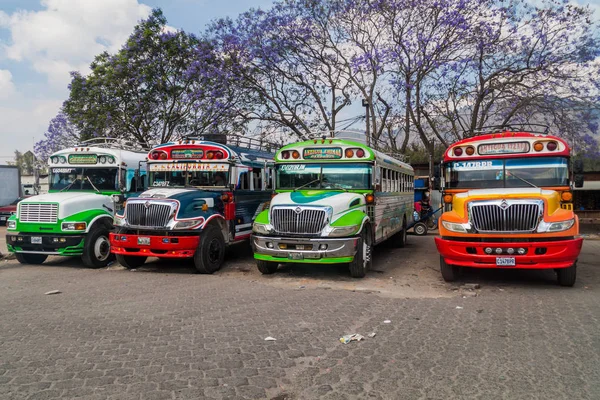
(36, 240)
(295, 256)
(505, 261)
(144, 241)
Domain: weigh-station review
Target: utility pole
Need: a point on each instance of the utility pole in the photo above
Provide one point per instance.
(366, 104)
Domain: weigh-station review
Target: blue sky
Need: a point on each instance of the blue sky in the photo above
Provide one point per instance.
(42, 40)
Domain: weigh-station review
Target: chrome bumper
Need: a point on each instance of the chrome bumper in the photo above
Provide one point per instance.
(342, 247)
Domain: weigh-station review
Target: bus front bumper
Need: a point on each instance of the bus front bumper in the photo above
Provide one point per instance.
(51, 244)
(539, 254)
(154, 246)
(306, 250)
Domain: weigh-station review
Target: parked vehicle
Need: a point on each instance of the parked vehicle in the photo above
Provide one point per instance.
(8, 210)
(203, 196)
(336, 199)
(10, 183)
(508, 204)
(87, 184)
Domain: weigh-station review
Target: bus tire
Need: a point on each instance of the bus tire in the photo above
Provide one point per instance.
(211, 251)
(362, 259)
(29, 258)
(420, 229)
(267, 267)
(399, 239)
(567, 276)
(449, 272)
(131, 262)
(96, 247)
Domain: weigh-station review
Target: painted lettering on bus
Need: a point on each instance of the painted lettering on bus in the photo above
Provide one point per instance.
(327, 153)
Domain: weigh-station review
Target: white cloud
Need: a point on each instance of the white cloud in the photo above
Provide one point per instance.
(7, 87)
(67, 34)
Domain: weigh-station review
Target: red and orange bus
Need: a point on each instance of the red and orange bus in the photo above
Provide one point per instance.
(508, 204)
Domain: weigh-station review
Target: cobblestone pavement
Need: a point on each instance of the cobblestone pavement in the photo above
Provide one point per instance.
(170, 334)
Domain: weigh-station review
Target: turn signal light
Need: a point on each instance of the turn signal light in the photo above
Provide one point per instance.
(566, 196)
(349, 153)
(470, 150)
(295, 155)
(447, 198)
(210, 155)
(163, 156)
(370, 199)
(538, 146)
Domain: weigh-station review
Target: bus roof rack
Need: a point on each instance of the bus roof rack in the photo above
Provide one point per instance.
(112, 143)
(245, 142)
(360, 137)
(522, 127)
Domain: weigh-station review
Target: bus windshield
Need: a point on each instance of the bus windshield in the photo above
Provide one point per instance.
(324, 176)
(508, 173)
(73, 179)
(188, 177)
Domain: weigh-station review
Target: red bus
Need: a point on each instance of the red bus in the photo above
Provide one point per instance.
(508, 204)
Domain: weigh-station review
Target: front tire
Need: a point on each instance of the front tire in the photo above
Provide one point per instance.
(96, 249)
(131, 262)
(362, 260)
(267, 267)
(399, 239)
(211, 251)
(28, 258)
(567, 276)
(449, 272)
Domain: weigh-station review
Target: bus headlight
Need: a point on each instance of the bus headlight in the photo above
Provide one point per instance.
(118, 221)
(74, 226)
(263, 229)
(187, 224)
(343, 230)
(455, 227)
(555, 226)
(11, 224)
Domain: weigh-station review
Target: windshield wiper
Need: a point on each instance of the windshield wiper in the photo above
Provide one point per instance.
(521, 179)
(306, 184)
(94, 186)
(69, 185)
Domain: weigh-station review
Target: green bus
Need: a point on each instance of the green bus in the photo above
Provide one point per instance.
(336, 199)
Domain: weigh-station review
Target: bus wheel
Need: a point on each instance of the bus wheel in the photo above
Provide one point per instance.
(362, 259)
(567, 276)
(96, 247)
(399, 238)
(420, 229)
(211, 251)
(131, 262)
(449, 272)
(267, 267)
(28, 258)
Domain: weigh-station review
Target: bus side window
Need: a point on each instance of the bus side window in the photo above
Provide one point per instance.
(243, 181)
(268, 178)
(257, 179)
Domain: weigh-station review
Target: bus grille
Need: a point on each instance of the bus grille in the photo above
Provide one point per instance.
(38, 212)
(298, 220)
(148, 214)
(506, 216)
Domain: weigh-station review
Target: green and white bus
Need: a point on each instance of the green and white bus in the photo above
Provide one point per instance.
(87, 183)
(335, 200)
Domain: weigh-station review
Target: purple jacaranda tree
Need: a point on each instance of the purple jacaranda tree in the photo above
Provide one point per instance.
(61, 133)
(150, 91)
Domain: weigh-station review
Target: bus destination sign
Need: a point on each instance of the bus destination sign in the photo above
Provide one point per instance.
(328, 153)
(503, 148)
(86, 159)
(187, 153)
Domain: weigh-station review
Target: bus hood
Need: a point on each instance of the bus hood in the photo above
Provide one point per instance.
(338, 201)
(551, 197)
(190, 200)
(70, 203)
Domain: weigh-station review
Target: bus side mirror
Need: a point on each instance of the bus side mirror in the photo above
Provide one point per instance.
(578, 180)
(578, 167)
